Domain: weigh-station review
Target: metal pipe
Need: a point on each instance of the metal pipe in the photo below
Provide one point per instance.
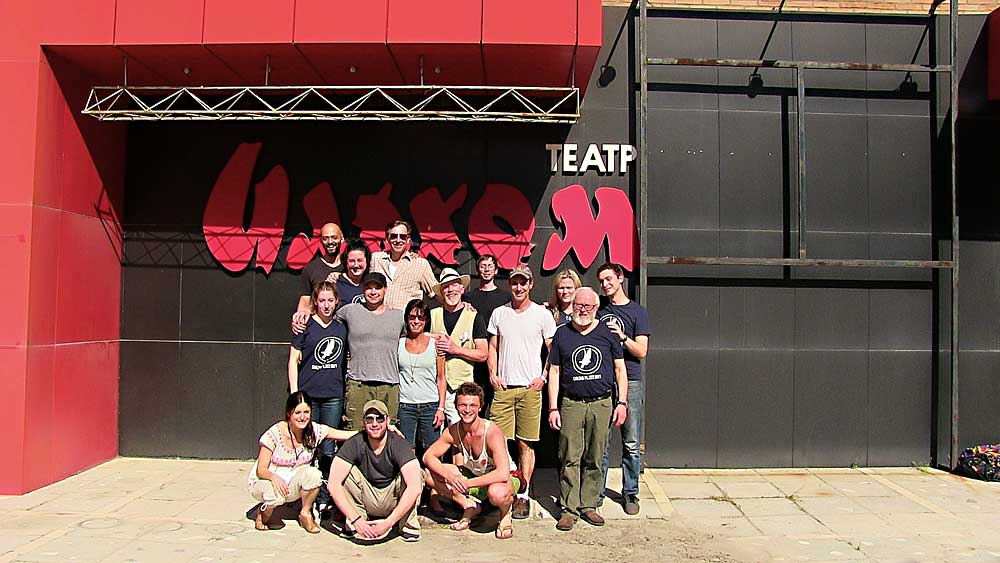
(830, 262)
(643, 155)
(953, 110)
(777, 63)
(800, 122)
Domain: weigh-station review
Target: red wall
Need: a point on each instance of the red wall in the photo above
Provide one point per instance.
(60, 243)
(60, 198)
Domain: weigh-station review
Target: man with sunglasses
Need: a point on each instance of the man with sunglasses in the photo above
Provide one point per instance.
(409, 275)
(587, 363)
(517, 331)
(376, 481)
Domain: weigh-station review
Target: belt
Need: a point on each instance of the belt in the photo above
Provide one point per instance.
(517, 386)
(589, 399)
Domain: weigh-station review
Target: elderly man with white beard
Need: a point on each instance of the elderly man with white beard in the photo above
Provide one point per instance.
(587, 361)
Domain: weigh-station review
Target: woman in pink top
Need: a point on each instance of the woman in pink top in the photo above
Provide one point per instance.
(282, 473)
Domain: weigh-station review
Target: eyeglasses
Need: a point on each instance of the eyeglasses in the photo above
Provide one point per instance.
(582, 307)
(417, 318)
(398, 236)
(375, 419)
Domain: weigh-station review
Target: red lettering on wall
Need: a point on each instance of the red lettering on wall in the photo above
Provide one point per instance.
(373, 214)
(585, 234)
(432, 218)
(321, 209)
(512, 243)
(227, 240)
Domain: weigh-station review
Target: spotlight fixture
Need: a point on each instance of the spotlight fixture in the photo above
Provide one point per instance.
(755, 84)
(607, 76)
(908, 86)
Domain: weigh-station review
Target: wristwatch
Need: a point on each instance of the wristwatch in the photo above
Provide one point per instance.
(622, 404)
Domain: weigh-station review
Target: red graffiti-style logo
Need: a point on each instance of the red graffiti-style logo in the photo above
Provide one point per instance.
(501, 222)
(585, 233)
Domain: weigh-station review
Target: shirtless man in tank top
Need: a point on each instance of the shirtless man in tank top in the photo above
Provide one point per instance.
(481, 469)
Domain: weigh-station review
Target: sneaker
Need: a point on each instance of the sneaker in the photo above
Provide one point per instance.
(521, 509)
(631, 505)
(410, 536)
(591, 517)
(565, 522)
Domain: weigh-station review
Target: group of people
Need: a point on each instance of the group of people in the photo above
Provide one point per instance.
(373, 365)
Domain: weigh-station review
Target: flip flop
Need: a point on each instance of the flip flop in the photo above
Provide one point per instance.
(466, 520)
(504, 532)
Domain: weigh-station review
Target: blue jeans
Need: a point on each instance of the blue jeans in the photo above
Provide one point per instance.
(630, 431)
(418, 418)
(326, 411)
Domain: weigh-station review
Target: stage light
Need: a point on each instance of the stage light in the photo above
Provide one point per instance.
(607, 76)
(755, 85)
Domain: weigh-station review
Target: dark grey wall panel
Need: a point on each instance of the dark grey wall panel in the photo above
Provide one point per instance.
(900, 319)
(900, 246)
(148, 399)
(215, 398)
(686, 317)
(979, 296)
(207, 297)
(679, 86)
(685, 183)
(831, 319)
(825, 244)
(755, 408)
(899, 408)
(831, 91)
(682, 388)
(268, 379)
(837, 172)
(752, 166)
(742, 39)
(979, 387)
(757, 318)
(831, 394)
(898, 44)
(899, 176)
(151, 295)
(272, 305)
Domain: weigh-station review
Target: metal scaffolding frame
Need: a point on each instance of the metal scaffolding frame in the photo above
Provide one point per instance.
(519, 104)
(802, 260)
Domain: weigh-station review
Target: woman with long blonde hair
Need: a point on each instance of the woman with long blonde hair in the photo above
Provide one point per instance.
(564, 285)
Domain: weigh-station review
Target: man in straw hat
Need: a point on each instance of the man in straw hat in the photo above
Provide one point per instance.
(460, 334)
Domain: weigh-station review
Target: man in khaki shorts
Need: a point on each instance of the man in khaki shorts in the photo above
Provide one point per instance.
(517, 331)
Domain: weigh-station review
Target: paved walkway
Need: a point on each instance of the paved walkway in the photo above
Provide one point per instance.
(149, 510)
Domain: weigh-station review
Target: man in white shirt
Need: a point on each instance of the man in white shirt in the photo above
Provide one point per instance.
(517, 331)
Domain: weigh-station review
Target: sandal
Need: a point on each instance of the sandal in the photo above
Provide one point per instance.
(259, 522)
(465, 521)
(505, 532)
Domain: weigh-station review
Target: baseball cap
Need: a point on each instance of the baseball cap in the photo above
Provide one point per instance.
(521, 270)
(379, 406)
(374, 277)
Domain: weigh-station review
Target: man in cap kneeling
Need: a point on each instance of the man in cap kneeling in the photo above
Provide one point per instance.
(376, 480)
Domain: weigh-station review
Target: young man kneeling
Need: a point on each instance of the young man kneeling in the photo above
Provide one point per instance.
(481, 470)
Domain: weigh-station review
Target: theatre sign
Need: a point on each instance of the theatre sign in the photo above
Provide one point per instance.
(584, 231)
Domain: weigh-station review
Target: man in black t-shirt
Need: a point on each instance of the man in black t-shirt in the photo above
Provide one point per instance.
(485, 299)
(376, 475)
(587, 363)
(325, 267)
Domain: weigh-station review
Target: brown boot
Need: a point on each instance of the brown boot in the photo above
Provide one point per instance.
(591, 517)
(566, 522)
(308, 524)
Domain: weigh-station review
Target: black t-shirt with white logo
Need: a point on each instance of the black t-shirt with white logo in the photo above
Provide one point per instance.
(324, 365)
(633, 319)
(348, 292)
(586, 361)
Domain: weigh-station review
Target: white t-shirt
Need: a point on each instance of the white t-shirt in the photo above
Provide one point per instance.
(521, 337)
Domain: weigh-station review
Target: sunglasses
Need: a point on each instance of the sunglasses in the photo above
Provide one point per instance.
(397, 236)
(375, 419)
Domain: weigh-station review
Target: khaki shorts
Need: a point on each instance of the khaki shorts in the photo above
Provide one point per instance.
(518, 412)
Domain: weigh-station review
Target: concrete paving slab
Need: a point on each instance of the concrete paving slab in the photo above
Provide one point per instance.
(723, 527)
(858, 487)
(71, 550)
(736, 476)
(857, 526)
(802, 485)
(767, 506)
(891, 505)
(143, 551)
(792, 525)
(25, 502)
(830, 505)
(750, 490)
(684, 489)
(706, 508)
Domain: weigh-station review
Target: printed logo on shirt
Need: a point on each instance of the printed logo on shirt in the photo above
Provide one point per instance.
(586, 359)
(328, 350)
(359, 298)
(610, 317)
